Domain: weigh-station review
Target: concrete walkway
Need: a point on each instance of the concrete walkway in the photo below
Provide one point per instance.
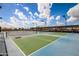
(65, 46)
(12, 48)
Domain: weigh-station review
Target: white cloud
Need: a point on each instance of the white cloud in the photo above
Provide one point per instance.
(18, 23)
(30, 13)
(72, 19)
(4, 24)
(37, 23)
(14, 21)
(74, 13)
(41, 24)
(26, 8)
(59, 23)
(58, 17)
(17, 4)
(20, 14)
(36, 14)
(52, 17)
(44, 10)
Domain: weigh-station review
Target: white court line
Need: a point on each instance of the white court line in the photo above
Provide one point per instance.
(42, 34)
(17, 46)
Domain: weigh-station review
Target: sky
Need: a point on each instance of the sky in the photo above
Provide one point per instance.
(26, 15)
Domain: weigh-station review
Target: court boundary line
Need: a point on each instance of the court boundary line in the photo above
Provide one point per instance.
(17, 47)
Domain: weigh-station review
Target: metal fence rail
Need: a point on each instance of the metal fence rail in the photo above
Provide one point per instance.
(3, 48)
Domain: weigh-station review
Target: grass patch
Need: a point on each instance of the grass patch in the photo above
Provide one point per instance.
(31, 44)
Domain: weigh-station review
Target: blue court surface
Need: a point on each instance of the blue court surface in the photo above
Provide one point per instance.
(64, 46)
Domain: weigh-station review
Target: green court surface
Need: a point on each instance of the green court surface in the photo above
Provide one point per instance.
(30, 44)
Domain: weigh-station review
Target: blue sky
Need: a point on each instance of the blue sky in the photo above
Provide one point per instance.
(57, 9)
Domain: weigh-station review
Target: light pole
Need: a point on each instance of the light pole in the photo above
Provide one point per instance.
(35, 23)
(65, 19)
